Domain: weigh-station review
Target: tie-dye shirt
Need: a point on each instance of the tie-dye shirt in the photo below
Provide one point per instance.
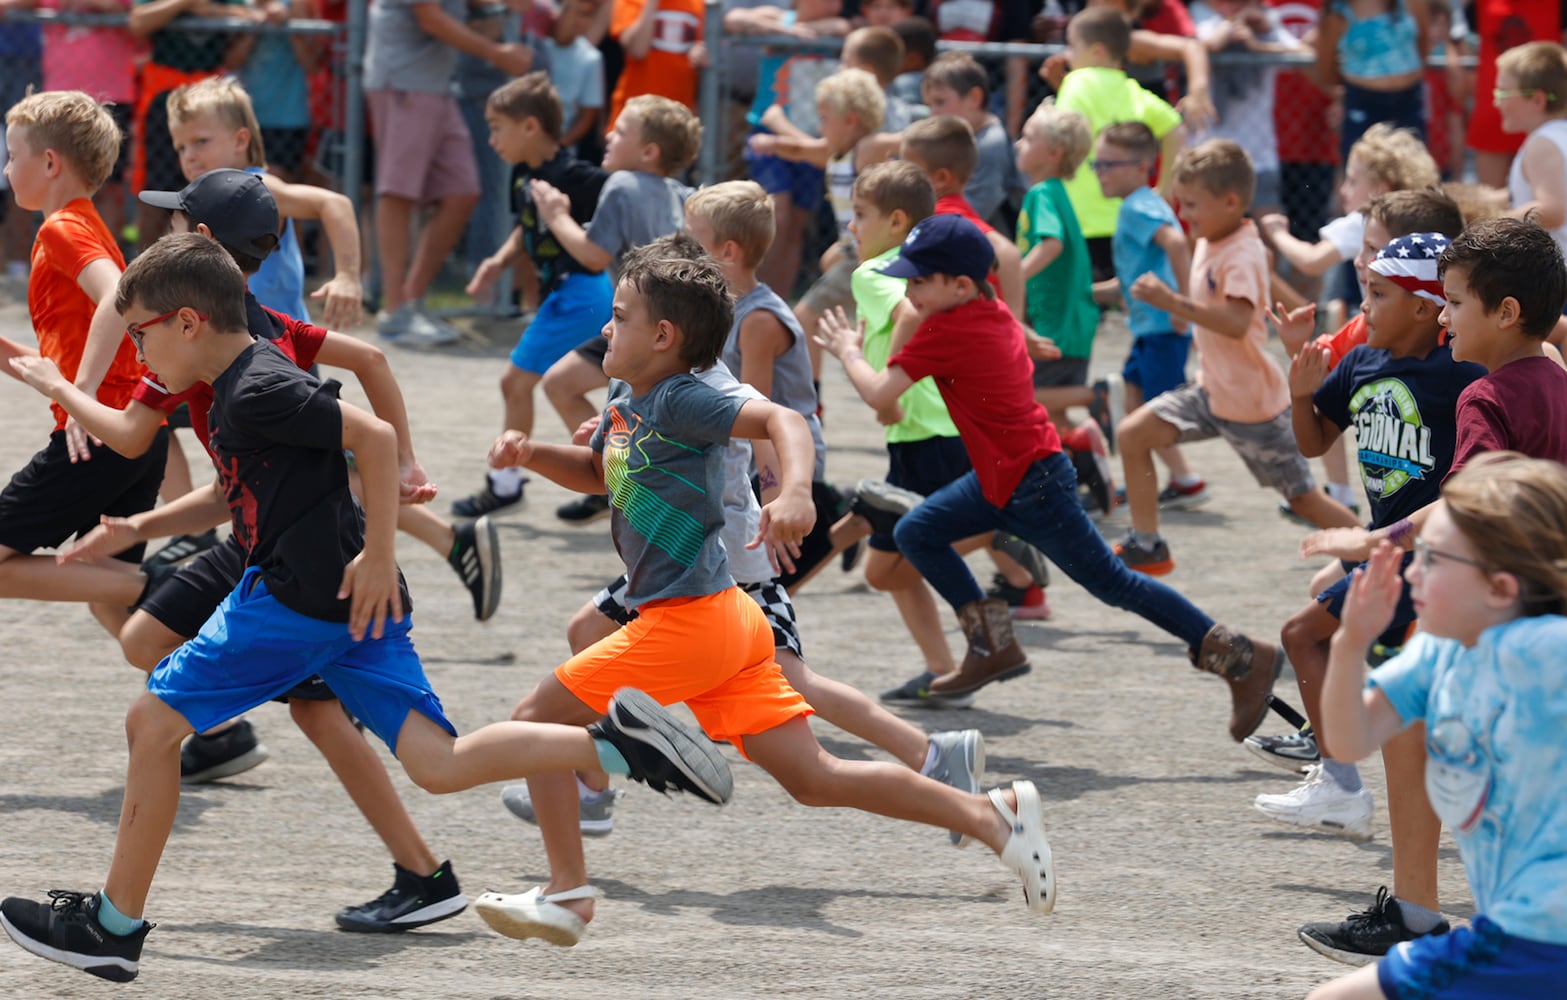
(664, 470)
(1496, 737)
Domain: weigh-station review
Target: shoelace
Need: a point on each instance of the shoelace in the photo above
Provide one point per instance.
(66, 901)
(1359, 925)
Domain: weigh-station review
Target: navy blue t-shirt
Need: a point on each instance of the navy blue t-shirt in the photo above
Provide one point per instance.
(578, 180)
(1404, 411)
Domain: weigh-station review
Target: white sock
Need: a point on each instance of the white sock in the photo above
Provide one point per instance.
(505, 482)
(1146, 539)
(1187, 481)
(1343, 493)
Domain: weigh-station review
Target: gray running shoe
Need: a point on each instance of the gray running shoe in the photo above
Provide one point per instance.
(596, 810)
(1026, 555)
(915, 693)
(960, 762)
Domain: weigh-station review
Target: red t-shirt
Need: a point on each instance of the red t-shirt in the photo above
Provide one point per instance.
(67, 242)
(1300, 109)
(976, 355)
(956, 204)
(300, 341)
(1522, 407)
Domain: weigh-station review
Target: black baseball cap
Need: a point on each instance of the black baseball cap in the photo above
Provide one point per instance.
(235, 205)
(943, 244)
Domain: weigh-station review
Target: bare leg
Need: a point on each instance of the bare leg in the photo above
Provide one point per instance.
(393, 229)
(152, 795)
(1140, 435)
(567, 384)
(40, 578)
(1172, 457)
(176, 474)
(1305, 638)
(436, 242)
(426, 525)
(1415, 830)
(1059, 398)
(1323, 511)
(852, 711)
(517, 390)
(916, 603)
(1362, 984)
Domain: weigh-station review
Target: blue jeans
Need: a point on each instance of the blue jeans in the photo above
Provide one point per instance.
(1043, 511)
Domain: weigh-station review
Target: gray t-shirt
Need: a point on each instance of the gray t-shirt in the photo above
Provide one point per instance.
(995, 174)
(634, 209)
(792, 383)
(664, 469)
(742, 512)
(400, 56)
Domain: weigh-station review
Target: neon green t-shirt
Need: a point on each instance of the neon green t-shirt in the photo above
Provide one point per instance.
(875, 296)
(1059, 301)
(1105, 96)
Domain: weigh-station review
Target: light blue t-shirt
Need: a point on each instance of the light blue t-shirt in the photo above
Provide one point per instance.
(664, 468)
(280, 283)
(577, 71)
(276, 83)
(1496, 740)
(1143, 213)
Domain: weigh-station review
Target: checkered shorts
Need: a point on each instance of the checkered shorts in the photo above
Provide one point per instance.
(770, 597)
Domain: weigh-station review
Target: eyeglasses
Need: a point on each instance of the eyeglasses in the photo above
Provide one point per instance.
(1100, 166)
(1425, 553)
(136, 331)
(1499, 95)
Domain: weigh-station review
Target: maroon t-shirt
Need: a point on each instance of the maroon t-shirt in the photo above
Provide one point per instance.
(1522, 407)
(980, 363)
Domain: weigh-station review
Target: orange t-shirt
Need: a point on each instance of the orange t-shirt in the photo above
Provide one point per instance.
(666, 70)
(67, 242)
(1243, 382)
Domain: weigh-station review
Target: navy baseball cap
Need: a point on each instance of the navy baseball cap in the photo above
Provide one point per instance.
(235, 205)
(943, 244)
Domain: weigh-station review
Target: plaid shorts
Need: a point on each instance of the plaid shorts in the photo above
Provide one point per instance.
(770, 597)
(1268, 448)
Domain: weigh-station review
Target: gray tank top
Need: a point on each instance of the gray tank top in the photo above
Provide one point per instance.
(792, 385)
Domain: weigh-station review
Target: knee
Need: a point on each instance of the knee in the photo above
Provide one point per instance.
(150, 722)
(515, 382)
(1137, 431)
(423, 771)
(143, 648)
(586, 627)
(1298, 635)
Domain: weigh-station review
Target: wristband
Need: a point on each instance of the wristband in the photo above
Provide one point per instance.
(1400, 531)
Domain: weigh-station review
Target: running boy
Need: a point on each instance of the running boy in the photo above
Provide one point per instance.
(1239, 392)
(321, 594)
(61, 146)
(698, 638)
(973, 349)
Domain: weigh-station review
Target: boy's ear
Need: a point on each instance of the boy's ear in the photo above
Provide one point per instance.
(975, 98)
(899, 219)
(1508, 313)
(205, 230)
(668, 338)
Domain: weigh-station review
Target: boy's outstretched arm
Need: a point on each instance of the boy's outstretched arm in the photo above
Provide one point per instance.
(190, 514)
(11, 349)
(370, 579)
(554, 207)
(374, 372)
(576, 467)
(842, 340)
(1232, 319)
(788, 518)
(129, 432)
(344, 298)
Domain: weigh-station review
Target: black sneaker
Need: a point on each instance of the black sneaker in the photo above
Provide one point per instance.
(231, 752)
(1026, 555)
(585, 509)
(915, 693)
(66, 930)
(849, 560)
(412, 901)
(1295, 752)
(476, 556)
(1364, 937)
(180, 548)
(663, 754)
(485, 501)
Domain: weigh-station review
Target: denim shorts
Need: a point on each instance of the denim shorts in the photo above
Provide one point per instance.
(806, 185)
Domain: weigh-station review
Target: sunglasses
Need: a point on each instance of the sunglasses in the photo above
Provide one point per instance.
(136, 331)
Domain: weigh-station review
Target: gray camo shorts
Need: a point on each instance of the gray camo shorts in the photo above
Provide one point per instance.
(1268, 448)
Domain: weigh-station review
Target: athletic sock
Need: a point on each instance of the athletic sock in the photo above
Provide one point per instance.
(1146, 539)
(1343, 493)
(505, 482)
(1346, 776)
(930, 756)
(1417, 918)
(113, 920)
(611, 759)
(1186, 481)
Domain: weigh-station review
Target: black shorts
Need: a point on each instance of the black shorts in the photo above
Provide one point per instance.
(286, 148)
(594, 350)
(1101, 257)
(183, 601)
(52, 498)
(1060, 372)
(163, 163)
(817, 545)
(924, 467)
(121, 113)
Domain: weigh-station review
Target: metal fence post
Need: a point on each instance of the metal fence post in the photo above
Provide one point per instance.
(354, 107)
(710, 101)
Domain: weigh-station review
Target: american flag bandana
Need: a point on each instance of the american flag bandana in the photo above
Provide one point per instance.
(1410, 263)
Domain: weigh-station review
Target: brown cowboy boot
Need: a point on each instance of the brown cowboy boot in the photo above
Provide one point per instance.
(993, 651)
(1248, 667)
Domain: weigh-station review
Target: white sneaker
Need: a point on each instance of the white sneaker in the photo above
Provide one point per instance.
(1320, 803)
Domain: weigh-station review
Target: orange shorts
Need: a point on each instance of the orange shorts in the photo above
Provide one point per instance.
(715, 653)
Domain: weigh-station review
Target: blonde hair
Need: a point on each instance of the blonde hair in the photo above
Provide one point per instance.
(1513, 511)
(672, 127)
(1539, 66)
(878, 50)
(225, 100)
(854, 92)
(1395, 157)
(79, 129)
(1220, 166)
(1065, 130)
(738, 211)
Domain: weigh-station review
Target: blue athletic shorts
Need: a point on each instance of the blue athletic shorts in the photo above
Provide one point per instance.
(576, 310)
(1478, 962)
(804, 184)
(1403, 615)
(253, 649)
(1157, 363)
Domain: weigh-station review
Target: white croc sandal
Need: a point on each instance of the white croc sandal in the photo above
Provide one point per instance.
(1027, 852)
(532, 914)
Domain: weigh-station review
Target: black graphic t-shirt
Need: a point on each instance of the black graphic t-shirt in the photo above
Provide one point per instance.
(1404, 411)
(277, 434)
(576, 179)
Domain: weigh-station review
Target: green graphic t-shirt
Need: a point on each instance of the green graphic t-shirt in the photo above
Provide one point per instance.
(875, 297)
(1059, 300)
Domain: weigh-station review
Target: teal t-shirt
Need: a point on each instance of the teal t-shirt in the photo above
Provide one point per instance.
(1059, 301)
(1106, 96)
(875, 297)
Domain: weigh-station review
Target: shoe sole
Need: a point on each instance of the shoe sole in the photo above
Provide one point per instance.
(1186, 503)
(1031, 612)
(523, 810)
(440, 910)
(934, 702)
(1293, 765)
(1326, 950)
(116, 970)
(229, 768)
(1006, 675)
(641, 718)
(1025, 555)
(1162, 567)
(489, 552)
(502, 919)
(886, 497)
(1319, 825)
